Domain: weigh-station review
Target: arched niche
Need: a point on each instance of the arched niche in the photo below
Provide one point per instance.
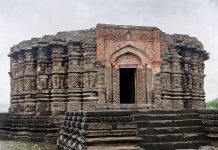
(129, 55)
(128, 59)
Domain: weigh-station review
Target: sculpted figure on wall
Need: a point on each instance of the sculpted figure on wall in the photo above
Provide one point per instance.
(42, 82)
(55, 82)
(62, 82)
(195, 84)
(93, 79)
(85, 80)
(58, 81)
(177, 81)
(27, 84)
(187, 69)
(33, 83)
(195, 69)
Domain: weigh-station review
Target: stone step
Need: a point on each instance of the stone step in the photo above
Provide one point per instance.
(33, 129)
(103, 133)
(36, 121)
(169, 123)
(112, 139)
(165, 111)
(173, 137)
(169, 130)
(139, 117)
(33, 125)
(175, 145)
(114, 147)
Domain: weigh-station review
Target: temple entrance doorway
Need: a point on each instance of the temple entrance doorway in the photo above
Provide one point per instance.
(127, 85)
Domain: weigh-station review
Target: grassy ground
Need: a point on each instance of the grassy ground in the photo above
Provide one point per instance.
(18, 145)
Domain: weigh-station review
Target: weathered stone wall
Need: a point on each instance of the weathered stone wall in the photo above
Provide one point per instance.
(27, 128)
(53, 71)
(182, 72)
(49, 76)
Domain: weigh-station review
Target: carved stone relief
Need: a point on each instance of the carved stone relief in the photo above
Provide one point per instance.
(74, 81)
(176, 82)
(58, 81)
(42, 82)
(85, 80)
(93, 79)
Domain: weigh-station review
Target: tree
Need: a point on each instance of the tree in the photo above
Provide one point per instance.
(213, 103)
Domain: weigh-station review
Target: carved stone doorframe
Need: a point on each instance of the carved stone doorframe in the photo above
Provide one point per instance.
(130, 57)
(141, 96)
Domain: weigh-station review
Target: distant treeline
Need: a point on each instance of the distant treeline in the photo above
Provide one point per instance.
(213, 103)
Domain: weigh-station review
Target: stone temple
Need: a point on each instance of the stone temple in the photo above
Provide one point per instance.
(109, 67)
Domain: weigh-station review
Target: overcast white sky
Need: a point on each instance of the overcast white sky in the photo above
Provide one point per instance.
(24, 19)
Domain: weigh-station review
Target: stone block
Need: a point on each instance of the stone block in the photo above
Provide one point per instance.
(58, 107)
(73, 106)
(199, 104)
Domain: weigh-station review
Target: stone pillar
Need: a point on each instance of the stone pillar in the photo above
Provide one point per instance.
(14, 83)
(30, 83)
(165, 83)
(156, 87)
(89, 79)
(197, 69)
(116, 85)
(187, 79)
(43, 95)
(74, 81)
(141, 81)
(20, 106)
(149, 86)
(58, 105)
(176, 80)
(109, 74)
(101, 83)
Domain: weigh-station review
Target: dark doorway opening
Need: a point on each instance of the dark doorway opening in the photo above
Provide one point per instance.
(127, 85)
